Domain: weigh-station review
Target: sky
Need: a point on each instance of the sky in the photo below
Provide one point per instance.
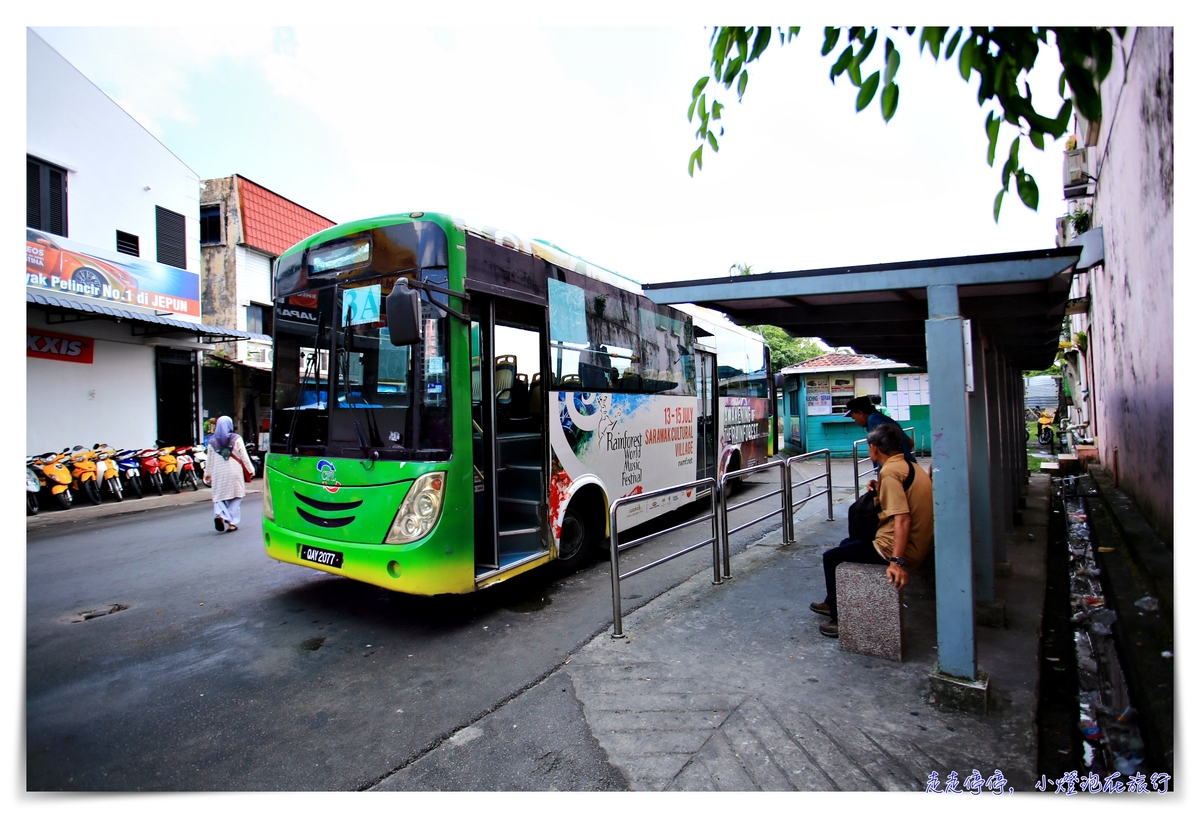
(580, 136)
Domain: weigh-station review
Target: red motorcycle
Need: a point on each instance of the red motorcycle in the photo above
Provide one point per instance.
(187, 467)
(151, 474)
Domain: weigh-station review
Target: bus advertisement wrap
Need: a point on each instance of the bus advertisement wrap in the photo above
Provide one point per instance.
(66, 267)
(628, 441)
(745, 427)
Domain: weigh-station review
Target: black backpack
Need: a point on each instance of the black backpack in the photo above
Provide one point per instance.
(864, 513)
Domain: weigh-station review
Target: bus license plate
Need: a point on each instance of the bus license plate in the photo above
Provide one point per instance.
(321, 556)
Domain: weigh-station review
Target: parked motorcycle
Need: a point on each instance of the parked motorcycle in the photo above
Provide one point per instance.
(32, 486)
(108, 473)
(168, 464)
(83, 473)
(131, 475)
(187, 468)
(1046, 426)
(54, 474)
(255, 459)
(200, 459)
(151, 474)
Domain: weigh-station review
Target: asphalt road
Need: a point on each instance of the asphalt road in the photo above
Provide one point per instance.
(225, 670)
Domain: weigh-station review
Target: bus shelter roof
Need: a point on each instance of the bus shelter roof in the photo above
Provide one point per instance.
(1018, 300)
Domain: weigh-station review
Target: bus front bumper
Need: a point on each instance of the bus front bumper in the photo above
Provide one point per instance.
(426, 569)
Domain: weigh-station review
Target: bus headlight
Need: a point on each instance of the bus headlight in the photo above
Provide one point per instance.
(268, 506)
(420, 510)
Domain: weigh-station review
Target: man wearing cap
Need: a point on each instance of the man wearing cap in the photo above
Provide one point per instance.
(864, 413)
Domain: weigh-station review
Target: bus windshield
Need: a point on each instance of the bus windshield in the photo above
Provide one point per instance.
(343, 389)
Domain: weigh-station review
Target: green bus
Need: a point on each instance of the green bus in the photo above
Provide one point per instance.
(454, 405)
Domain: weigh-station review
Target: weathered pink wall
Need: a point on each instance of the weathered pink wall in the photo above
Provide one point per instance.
(1131, 337)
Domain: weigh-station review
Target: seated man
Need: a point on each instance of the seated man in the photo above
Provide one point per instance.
(905, 531)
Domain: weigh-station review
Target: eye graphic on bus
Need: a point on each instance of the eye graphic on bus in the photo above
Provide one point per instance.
(328, 474)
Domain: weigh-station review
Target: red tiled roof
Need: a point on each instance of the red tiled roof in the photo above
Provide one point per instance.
(271, 222)
(842, 359)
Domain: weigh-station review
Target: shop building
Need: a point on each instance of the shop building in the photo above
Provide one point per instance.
(815, 393)
(244, 227)
(114, 318)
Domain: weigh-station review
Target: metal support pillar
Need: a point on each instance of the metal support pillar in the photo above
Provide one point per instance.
(996, 454)
(981, 498)
(1008, 433)
(1018, 408)
(951, 485)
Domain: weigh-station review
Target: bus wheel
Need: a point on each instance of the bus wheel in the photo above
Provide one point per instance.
(577, 543)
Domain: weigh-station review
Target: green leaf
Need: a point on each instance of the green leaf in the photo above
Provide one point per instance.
(696, 160)
(1012, 151)
(953, 43)
(712, 140)
(716, 110)
(993, 132)
(731, 71)
(1038, 140)
(867, 92)
(966, 58)
(855, 74)
(699, 87)
(1063, 120)
(832, 35)
(996, 206)
(843, 62)
(742, 80)
(761, 41)
(1027, 189)
(893, 64)
(868, 44)
(692, 110)
(889, 100)
(720, 51)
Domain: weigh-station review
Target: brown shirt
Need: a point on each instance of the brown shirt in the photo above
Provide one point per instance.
(917, 502)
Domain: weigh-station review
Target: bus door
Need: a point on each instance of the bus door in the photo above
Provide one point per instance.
(706, 418)
(508, 404)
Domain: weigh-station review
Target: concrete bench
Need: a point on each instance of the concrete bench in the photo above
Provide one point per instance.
(870, 612)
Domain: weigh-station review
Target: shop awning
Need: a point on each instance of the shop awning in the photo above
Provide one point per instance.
(69, 311)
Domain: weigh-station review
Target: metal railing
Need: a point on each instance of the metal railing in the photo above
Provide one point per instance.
(789, 529)
(719, 515)
(615, 548)
(782, 511)
(908, 430)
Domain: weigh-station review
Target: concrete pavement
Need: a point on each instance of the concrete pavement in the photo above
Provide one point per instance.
(82, 511)
(732, 688)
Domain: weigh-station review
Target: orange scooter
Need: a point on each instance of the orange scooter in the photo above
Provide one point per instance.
(83, 473)
(168, 464)
(55, 477)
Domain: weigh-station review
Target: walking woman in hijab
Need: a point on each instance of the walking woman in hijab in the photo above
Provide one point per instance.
(224, 472)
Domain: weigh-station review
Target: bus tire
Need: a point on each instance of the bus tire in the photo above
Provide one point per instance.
(577, 544)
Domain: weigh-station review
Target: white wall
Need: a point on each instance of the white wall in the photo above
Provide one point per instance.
(111, 400)
(1131, 332)
(111, 158)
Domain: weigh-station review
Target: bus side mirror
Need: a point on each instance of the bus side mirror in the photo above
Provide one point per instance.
(403, 315)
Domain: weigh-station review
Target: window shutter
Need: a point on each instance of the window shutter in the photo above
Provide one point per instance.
(33, 196)
(172, 239)
(45, 197)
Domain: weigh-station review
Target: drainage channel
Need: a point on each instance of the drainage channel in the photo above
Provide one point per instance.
(1107, 722)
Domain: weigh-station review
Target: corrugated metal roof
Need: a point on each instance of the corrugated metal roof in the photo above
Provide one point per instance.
(273, 223)
(1016, 299)
(147, 319)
